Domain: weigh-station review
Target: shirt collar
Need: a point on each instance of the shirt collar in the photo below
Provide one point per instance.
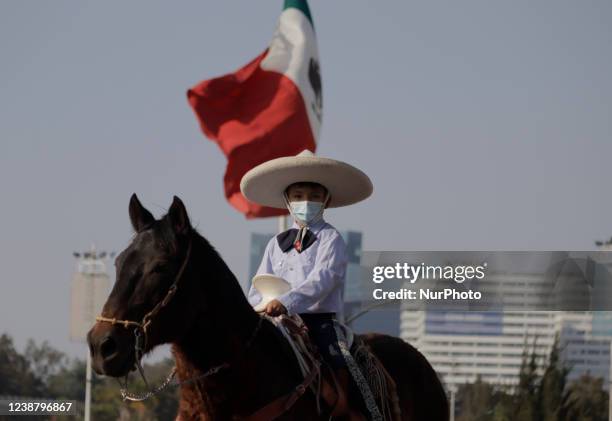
(313, 227)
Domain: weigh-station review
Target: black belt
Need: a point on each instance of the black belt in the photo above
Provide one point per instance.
(315, 317)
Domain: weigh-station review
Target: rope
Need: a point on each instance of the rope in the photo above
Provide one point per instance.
(125, 323)
(127, 395)
(358, 376)
(135, 397)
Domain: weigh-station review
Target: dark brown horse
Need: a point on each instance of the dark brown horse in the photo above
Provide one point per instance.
(211, 324)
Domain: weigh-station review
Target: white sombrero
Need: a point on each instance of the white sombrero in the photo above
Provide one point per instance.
(266, 183)
(270, 287)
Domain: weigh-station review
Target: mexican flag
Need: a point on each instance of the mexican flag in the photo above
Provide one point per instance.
(271, 107)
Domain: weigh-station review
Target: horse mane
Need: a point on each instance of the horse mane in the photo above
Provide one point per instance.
(235, 324)
(164, 232)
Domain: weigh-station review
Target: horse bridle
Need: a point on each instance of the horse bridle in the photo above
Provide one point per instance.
(140, 336)
(269, 411)
(140, 331)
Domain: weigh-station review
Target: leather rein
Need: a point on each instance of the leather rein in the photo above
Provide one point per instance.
(268, 412)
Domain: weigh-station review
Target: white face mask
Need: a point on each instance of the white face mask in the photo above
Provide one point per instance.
(306, 211)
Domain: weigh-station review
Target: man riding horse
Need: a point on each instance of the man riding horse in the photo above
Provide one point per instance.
(311, 256)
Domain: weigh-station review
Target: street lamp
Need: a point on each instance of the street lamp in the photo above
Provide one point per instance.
(90, 286)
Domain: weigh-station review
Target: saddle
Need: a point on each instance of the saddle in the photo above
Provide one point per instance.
(376, 386)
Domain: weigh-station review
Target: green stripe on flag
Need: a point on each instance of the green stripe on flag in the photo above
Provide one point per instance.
(301, 5)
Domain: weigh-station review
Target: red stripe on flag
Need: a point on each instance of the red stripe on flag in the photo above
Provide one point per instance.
(254, 116)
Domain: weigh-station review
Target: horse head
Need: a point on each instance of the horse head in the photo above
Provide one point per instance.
(146, 305)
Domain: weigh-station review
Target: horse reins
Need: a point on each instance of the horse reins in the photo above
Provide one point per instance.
(140, 335)
(269, 411)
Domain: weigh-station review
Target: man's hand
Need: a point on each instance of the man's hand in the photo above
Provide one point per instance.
(275, 308)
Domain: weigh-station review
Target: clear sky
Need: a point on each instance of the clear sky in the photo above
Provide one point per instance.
(483, 125)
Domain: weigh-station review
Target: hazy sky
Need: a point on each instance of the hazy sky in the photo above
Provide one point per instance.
(483, 125)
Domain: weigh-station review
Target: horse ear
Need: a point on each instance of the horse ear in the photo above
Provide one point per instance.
(140, 217)
(177, 214)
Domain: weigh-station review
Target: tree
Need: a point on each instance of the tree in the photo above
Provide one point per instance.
(526, 399)
(476, 399)
(546, 397)
(503, 409)
(44, 360)
(16, 375)
(586, 400)
(45, 372)
(68, 381)
(552, 385)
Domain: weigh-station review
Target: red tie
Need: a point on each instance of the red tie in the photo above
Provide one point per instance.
(298, 245)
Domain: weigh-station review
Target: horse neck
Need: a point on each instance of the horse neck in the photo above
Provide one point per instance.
(228, 331)
(225, 315)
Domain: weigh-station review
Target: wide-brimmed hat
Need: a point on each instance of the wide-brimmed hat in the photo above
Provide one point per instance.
(270, 287)
(266, 183)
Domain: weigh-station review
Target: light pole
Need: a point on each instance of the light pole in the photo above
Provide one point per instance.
(452, 403)
(88, 387)
(89, 290)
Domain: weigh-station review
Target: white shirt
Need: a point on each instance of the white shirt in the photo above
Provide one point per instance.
(316, 275)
